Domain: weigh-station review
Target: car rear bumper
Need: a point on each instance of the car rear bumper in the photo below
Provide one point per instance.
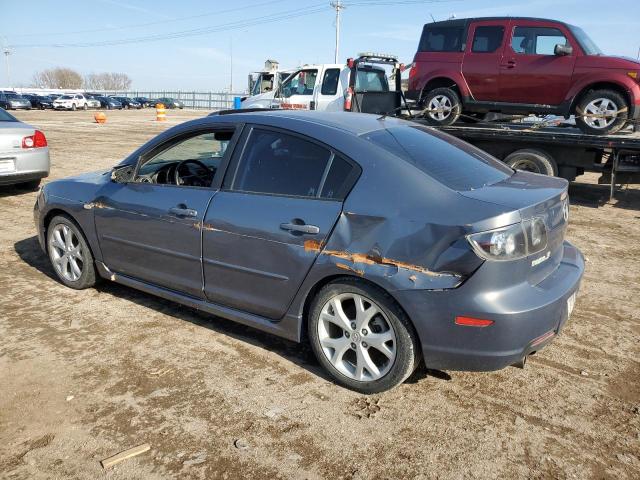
(526, 318)
(27, 165)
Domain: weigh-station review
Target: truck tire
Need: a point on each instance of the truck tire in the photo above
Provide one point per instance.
(441, 107)
(612, 107)
(531, 160)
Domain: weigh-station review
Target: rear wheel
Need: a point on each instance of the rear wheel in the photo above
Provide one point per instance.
(531, 160)
(361, 336)
(601, 112)
(85, 106)
(441, 106)
(73, 107)
(69, 253)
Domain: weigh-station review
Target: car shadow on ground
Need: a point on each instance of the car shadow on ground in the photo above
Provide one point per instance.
(13, 190)
(298, 353)
(594, 196)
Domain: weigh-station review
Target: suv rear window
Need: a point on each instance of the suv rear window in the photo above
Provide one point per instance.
(450, 161)
(442, 39)
(371, 81)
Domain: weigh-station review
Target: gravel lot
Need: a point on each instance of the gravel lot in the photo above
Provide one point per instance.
(84, 375)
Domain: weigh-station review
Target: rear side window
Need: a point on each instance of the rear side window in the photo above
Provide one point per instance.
(446, 159)
(537, 40)
(487, 39)
(339, 179)
(280, 164)
(330, 81)
(442, 39)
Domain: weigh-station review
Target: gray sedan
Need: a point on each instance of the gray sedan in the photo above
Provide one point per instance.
(24, 154)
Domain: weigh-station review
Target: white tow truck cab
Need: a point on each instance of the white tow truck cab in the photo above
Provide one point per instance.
(360, 85)
(267, 80)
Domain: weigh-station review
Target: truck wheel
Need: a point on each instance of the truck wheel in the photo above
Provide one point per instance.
(441, 107)
(531, 160)
(600, 112)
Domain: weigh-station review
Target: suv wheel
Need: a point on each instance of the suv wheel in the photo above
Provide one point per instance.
(73, 107)
(361, 337)
(531, 160)
(441, 106)
(85, 106)
(601, 111)
(69, 253)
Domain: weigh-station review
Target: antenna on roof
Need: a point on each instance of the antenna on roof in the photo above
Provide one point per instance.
(452, 17)
(432, 17)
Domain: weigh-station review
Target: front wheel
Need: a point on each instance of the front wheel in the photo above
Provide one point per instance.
(601, 112)
(86, 107)
(69, 253)
(361, 336)
(441, 107)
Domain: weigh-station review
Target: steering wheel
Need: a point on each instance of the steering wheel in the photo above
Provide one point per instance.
(179, 178)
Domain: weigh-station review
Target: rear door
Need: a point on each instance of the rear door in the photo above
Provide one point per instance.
(482, 59)
(530, 72)
(282, 196)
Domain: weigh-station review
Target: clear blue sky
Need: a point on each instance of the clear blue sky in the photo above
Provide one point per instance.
(202, 62)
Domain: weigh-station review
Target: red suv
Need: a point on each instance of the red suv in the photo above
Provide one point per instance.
(522, 66)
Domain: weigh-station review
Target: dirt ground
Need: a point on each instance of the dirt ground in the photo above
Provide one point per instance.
(84, 375)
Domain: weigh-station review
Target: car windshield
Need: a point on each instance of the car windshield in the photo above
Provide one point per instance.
(7, 117)
(371, 81)
(15, 96)
(446, 159)
(65, 97)
(588, 45)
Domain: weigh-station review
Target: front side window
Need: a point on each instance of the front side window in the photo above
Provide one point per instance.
(536, 40)
(487, 39)
(302, 83)
(442, 39)
(330, 81)
(280, 164)
(191, 162)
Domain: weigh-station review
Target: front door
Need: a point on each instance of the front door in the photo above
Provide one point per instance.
(297, 93)
(262, 231)
(150, 228)
(530, 72)
(330, 93)
(481, 64)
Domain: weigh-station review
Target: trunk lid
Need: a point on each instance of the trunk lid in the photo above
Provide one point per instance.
(11, 135)
(533, 195)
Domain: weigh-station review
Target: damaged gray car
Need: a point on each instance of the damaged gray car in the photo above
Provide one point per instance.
(382, 243)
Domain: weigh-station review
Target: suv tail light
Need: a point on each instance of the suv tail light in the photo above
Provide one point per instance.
(347, 99)
(37, 140)
(413, 69)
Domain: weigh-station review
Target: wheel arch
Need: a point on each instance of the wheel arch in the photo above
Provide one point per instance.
(600, 85)
(57, 211)
(442, 81)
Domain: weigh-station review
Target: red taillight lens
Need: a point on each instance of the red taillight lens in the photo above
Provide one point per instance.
(37, 140)
(473, 322)
(347, 99)
(413, 70)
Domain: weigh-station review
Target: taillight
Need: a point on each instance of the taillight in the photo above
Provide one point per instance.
(37, 140)
(413, 70)
(347, 99)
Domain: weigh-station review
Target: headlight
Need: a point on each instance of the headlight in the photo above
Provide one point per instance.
(512, 242)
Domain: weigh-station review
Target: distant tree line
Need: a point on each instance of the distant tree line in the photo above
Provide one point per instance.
(67, 78)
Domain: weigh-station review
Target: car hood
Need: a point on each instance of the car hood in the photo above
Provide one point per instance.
(79, 188)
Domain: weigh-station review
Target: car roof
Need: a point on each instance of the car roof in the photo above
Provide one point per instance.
(461, 22)
(354, 123)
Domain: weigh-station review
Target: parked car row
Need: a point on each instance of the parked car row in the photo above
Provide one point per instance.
(80, 101)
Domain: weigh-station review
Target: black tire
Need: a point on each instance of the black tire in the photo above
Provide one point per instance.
(408, 353)
(30, 185)
(531, 160)
(73, 107)
(108, 107)
(455, 105)
(87, 279)
(85, 107)
(611, 95)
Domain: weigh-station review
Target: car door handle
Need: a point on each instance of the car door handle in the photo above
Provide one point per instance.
(183, 211)
(301, 228)
(509, 64)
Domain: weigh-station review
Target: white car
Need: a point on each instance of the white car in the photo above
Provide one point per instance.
(93, 102)
(71, 101)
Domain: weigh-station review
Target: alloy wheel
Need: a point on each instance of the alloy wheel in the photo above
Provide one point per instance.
(440, 107)
(65, 251)
(356, 337)
(600, 113)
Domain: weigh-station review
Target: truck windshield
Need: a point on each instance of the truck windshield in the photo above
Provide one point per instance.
(444, 158)
(588, 45)
(370, 80)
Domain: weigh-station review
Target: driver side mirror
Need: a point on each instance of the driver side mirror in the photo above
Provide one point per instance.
(562, 50)
(122, 173)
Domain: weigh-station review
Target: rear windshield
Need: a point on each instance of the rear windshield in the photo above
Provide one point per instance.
(7, 117)
(371, 81)
(442, 39)
(448, 160)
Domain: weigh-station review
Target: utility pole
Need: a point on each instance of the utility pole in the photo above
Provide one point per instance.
(338, 6)
(7, 52)
(231, 70)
